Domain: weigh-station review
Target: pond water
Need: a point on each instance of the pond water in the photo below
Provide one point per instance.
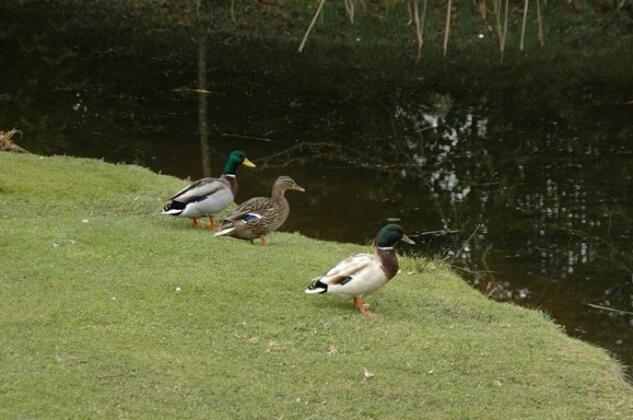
(527, 192)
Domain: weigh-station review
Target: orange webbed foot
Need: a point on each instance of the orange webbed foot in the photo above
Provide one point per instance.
(362, 307)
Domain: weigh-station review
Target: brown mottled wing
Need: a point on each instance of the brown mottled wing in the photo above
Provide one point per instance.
(347, 268)
(259, 205)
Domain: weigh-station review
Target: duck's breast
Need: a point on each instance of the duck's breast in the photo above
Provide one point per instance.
(279, 215)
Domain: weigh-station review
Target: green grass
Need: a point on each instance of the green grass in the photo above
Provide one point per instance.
(92, 326)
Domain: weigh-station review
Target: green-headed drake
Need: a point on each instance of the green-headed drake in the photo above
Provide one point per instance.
(259, 216)
(362, 274)
(209, 196)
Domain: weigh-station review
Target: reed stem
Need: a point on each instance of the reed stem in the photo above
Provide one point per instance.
(525, 12)
(497, 10)
(539, 23)
(418, 27)
(349, 8)
(447, 27)
(314, 19)
(505, 29)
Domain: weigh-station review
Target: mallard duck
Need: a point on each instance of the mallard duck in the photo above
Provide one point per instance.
(259, 216)
(362, 274)
(209, 196)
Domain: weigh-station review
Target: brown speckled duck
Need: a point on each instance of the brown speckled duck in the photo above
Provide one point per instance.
(259, 216)
(362, 274)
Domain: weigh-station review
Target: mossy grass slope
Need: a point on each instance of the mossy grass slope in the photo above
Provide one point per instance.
(93, 326)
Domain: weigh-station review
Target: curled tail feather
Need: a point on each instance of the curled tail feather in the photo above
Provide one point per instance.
(174, 208)
(316, 287)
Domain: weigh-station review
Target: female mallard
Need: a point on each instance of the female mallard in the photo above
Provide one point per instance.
(260, 215)
(209, 196)
(362, 274)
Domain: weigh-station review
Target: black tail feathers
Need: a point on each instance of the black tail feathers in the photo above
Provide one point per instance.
(317, 287)
(174, 205)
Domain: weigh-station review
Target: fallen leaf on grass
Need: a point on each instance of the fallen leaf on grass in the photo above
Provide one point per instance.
(275, 346)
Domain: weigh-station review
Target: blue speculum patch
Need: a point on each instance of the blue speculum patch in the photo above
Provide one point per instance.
(201, 198)
(250, 216)
(345, 280)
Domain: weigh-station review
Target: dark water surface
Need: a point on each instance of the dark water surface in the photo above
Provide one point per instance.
(528, 191)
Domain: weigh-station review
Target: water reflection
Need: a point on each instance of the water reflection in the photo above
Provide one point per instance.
(203, 127)
(550, 220)
(529, 194)
(534, 212)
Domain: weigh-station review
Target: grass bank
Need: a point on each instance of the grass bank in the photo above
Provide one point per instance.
(92, 323)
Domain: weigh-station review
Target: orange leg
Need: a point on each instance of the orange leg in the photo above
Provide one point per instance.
(194, 223)
(212, 224)
(263, 239)
(362, 307)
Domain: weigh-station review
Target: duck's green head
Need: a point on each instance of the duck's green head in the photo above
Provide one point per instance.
(234, 160)
(391, 234)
